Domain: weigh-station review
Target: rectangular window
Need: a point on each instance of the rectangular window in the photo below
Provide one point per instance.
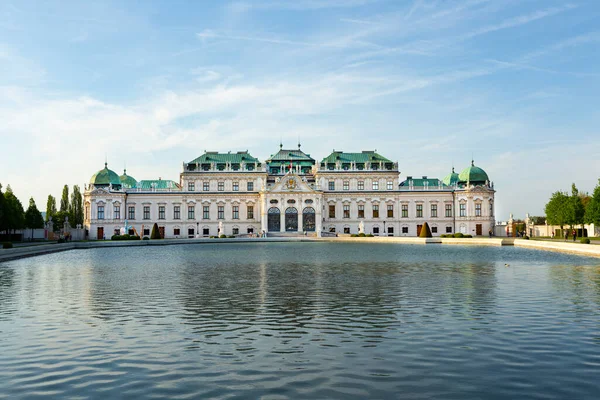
(250, 230)
(87, 213)
(161, 212)
(236, 212)
(117, 212)
(404, 210)
(191, 186)
(176, 212)
(375, 185)
(250, 212)
(131, 212)
(346, 229)
(236, 231)
(361, 211)
(146, 231)
(448, 229)
(250, 186)
(434, 229)
(346, 211)
(405, 229)
(478, 209)
(463, 210)
(221, 186)
(361, 185)
(448, 210)
(146, 212)
(191, 212)
(205, 231)
(205, 212)
(332, 229)
(332, 211)
(236, 186)
(221, 212)
(390, 185)
(419, 210)
(491, 209)
(346, 185)
(206, 186)
(390, 211)
(434, 211)
(390, 231)
(191, 232)
(375, 211)
(176, 231)
(100, 212)
(376, 230)
(331, 185)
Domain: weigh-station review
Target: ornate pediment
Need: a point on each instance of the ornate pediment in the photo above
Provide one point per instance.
(291, 183)
(100, 192)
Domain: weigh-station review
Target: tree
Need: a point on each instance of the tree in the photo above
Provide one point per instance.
(15, 216)
(33, 217)
(64, 201)
(50, 207)
(576, 208)
(425, 231)
(76, 207)
(592, 211)
(3, 212)
(155, 232)
(59, 220)
(557, 209)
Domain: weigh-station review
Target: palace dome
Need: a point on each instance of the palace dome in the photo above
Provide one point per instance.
(127, 181)
(450, 180)
(473, 174)
(105, 177)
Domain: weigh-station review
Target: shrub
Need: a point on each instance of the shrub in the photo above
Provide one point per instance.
(145, 238)
(61, 240)
(458, 235)
(526, 237)
(353, 235)
(9, 245)
(467, 236)
(222, 236)
(425, 231)
(231, 237)
(125, 237)
(155, 232)
(585, 241)
(370, 235)
(362, 234)
(212, 237)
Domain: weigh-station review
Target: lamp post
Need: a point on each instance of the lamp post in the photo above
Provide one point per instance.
(197, 229)
(384, 231)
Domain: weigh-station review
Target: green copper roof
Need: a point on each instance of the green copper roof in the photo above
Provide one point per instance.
(127, 181)
(364, 157)
(284, 155)
(221, 158)
(420, 182)
(105, 177)
(452, 179)
(150, 184)
(473, 174)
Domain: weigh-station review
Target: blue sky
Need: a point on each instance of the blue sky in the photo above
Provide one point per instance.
(429, 83)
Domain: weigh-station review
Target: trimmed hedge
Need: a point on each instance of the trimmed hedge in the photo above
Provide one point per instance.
(425, 231)
(223, 237)
(7, 245)
(585, 241)
(155, 232)
(125, 237)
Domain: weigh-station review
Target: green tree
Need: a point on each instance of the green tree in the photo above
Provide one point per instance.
(64, 200)
(15, 216)
(3, 212)
(557, 209)
(59, 220)
(155, 232)
(592, 211)
(33, 217)
(576, 208)
(50, 207)
(76, 207)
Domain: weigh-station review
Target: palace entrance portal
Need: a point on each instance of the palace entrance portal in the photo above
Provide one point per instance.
(291, 220)
(308, 219)
(274, 219)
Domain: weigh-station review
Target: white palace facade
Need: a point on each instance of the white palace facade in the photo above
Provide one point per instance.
(235, 194)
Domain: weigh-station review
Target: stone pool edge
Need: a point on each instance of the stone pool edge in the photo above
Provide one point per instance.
(572, 248)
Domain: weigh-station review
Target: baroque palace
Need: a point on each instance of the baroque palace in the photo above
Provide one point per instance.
(290, 193)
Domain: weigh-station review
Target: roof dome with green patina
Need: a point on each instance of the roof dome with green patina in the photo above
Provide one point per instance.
(127, 181)
(473, 175)
(105, 177)
(451, 180)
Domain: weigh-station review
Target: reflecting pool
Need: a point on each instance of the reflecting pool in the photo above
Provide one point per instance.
(301, 320)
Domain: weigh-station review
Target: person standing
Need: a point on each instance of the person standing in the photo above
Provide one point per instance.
(574, 234)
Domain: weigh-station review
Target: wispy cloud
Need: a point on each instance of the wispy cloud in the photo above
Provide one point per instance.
(297, 5)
